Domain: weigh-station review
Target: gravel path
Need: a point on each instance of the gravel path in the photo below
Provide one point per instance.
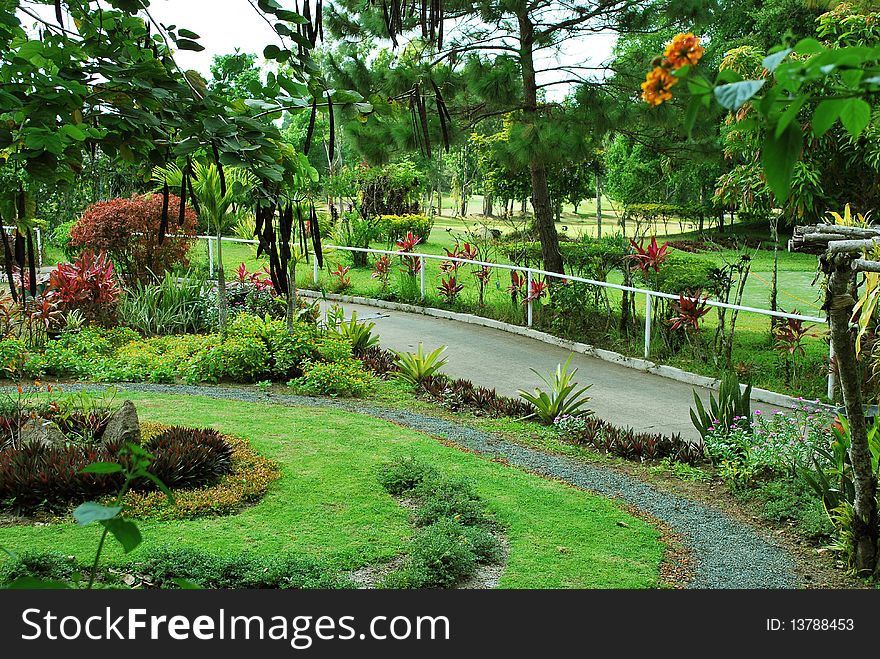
(728, 554)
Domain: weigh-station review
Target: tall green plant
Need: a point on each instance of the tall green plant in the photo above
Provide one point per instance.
(415, 367)
(219, 198)
(169, 307)
(733, 405)
(563, 396)
(133, 466)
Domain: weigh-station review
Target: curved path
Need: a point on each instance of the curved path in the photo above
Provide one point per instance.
(728, 554)
(497, 359)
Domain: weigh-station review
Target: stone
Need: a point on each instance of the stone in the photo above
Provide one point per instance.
(40, 431)
(123, 426)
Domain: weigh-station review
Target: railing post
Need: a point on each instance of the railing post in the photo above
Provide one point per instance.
(649, 303)
(422, 274)
(529, 296)
(39, 247)
(831, 381)
(210, 257)
(315, 271)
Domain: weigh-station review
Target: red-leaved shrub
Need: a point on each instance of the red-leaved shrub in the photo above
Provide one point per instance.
(87, 285)
(128, 230)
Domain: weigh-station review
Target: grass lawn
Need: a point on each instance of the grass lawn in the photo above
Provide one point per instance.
(329, 504)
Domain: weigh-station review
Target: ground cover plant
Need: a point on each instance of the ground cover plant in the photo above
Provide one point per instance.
(329, 503)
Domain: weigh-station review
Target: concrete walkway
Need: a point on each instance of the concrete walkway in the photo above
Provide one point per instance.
(498, 359)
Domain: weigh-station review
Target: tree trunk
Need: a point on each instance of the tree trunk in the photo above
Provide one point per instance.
(550, 253)
(524, 207)
(290, 315)
(221, 285)
(840, 305)
(599, 205)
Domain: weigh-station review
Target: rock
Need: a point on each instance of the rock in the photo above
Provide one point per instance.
(486, 233)
(40, 431)
(123, 426)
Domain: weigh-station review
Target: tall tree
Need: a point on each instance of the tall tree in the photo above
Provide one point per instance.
(524, 34)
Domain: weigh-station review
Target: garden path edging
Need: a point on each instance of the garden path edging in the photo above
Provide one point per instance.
(728, 553)
(671, 372)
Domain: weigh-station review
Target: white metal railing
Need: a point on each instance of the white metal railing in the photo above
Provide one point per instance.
(530, 272)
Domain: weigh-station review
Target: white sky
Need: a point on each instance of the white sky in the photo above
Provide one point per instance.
(225, 25)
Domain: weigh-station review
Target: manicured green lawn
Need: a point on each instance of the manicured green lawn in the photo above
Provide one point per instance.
(329, 504)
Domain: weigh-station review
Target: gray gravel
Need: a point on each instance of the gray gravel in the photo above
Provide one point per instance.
(728, 554)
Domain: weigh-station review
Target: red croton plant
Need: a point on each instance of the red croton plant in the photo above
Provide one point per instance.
(89, 285)
(650, 257)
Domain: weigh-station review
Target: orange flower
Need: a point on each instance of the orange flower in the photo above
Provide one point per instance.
(684, 49)
(655, 89)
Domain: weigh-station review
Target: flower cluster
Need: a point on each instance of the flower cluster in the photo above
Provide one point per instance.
(684, 50)
(770, 443)
(569, 425)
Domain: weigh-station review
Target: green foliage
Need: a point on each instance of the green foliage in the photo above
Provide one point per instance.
(49, 566)
(562, 397)
(359, 335)
(60, 237)
(454, 534)
(255, 349)
(392, 228)
(167, 566)
(169, 307)
(443, 498)
(415, 367)
(681, 273)
(793, 500)
(339, 378)
(441, 555)
(729, 408)
(405, 473)
(393, 189)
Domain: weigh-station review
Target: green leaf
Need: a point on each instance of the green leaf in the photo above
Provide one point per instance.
(808, 47)
(159, 484)
(102, 468)
(186, 584)
(189, 44)
(825, 114)
(855, 115)
(271, 51)
(33, 583)
(772, 61)
(789, 115)
(90, 511)
(74, 132)
(693, 110)
(125, 531)
(734, 95)
(189, 34)
(778, 157)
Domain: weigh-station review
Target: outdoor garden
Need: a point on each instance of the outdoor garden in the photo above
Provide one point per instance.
(188, 400)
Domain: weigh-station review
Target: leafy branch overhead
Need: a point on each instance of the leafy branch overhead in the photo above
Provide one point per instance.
(830, 83)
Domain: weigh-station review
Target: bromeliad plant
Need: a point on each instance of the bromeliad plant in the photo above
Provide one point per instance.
(517, 288)
(343, 281)
(382, 271)
(650, 257)
(788, 340)
(410, 265)
(449, 288)
(730, 410)
(416, 367)
(562, 397)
